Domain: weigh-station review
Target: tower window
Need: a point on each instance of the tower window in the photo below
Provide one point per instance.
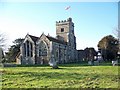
(62, 29)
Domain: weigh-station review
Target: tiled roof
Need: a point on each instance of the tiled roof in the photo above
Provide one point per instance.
(34, 38)
(56, 40)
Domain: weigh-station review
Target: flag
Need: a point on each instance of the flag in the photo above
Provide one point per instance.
(67, 8)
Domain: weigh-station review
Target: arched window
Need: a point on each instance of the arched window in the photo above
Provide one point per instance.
(24, 49)
(42, 49)
(28, 49)
(27, 42)
(31, 49)
(57, 54)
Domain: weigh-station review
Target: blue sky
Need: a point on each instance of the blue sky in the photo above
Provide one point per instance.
(93, 20)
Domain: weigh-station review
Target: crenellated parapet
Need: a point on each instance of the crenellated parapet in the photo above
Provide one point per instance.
(64, 21)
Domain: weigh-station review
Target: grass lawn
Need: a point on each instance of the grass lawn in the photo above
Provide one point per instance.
(68, 76)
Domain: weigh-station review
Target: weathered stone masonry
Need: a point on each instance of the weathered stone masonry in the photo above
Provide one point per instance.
(38, 50)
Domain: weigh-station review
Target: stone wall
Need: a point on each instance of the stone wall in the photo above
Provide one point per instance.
(63, 47)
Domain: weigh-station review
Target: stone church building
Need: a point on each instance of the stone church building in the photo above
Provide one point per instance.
(39, 50)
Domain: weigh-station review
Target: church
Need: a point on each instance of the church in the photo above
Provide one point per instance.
(39, 50)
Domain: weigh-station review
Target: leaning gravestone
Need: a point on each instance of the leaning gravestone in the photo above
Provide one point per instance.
(115, 62)
(53, 63)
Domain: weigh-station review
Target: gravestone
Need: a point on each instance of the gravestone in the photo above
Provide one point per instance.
(96, 63)
(89, 62)
(53, 63)
(114, 63)
(99, 58)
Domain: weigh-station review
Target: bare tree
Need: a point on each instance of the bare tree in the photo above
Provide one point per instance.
(2, 44)
(116, 32)
(119, 37)
(2, 40)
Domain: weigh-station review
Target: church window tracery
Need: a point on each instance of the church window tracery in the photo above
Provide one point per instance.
(28, 49)
(42, 49)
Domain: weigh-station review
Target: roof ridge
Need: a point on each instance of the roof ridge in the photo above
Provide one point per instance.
(56, 40)
(33, 36)
(51, 36)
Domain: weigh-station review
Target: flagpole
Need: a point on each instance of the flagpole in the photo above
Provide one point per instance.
(69, 10)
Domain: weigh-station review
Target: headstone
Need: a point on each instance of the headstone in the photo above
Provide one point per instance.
(96, 63)
(53, 63)
(89, 62)
(114, 63)
(99, 58)
(42, 61)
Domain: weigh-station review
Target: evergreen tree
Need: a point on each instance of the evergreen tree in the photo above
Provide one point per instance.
(14, 50)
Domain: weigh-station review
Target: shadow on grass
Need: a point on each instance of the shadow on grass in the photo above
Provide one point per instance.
(36, 65)
(83, 64)
(79, 64)
(62, 76)
(61, 65)
(66, 77)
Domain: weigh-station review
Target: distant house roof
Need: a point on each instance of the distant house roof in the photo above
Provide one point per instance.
(56, 40)
(34, 38)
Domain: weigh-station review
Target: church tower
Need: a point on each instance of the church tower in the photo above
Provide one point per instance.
(65, 32)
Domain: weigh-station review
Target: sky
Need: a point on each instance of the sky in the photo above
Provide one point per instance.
(92, 20)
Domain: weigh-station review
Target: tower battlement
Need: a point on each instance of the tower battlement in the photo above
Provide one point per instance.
(64, 21)
(65, 30)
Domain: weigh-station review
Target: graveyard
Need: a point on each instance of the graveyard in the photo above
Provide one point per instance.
(70, 45)
(79, 75)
